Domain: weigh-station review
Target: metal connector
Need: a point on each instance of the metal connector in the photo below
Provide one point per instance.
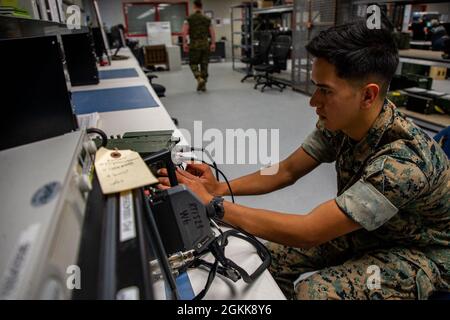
(180, 259)
(176, 261)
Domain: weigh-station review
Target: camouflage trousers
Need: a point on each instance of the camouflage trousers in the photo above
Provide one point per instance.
(395, 273)
(198, 61)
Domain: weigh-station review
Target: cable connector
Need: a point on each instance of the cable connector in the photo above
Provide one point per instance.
(176, 261)
(180, 259)
(232, 274)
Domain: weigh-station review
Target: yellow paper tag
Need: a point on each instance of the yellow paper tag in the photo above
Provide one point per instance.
(121, 170)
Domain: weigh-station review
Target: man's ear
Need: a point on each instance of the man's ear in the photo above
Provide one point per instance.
(370, 93)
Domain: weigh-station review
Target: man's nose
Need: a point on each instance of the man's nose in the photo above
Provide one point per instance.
(314, 101)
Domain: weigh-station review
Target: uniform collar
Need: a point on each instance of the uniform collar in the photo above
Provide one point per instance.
(364, 148)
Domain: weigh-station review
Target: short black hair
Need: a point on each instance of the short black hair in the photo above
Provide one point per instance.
(358, 52)
(198, 3)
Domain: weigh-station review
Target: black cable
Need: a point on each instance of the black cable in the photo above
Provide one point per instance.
(101, 133)
(249, 235)
(204, 151)
(262, 251)
(226, 224)
(216, 168)
(225, 178)
(158, 246)
(228, 267)
(211, 276)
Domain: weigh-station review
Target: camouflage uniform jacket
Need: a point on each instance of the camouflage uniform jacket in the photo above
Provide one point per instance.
(395, 183)
(198, 30)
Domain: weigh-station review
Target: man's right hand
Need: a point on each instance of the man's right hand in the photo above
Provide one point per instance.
(200, 170)
(185, 48)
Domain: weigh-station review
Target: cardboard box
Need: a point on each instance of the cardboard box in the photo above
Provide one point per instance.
(265, 4)
(438, 73)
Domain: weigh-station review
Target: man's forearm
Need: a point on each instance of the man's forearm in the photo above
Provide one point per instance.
(287, 229)
(212, 34)
(324, 223)
(287, 172)
(184, 33)
(256, 183)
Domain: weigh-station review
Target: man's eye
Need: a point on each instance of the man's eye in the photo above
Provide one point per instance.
(324, 91)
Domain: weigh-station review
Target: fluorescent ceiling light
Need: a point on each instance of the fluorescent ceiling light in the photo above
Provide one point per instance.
(146, 14)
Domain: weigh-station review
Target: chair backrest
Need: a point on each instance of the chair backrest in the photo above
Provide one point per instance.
(281, 47)
(265, 41)
(443, 138)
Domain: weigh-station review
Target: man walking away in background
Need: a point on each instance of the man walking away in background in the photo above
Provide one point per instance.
(199, 29)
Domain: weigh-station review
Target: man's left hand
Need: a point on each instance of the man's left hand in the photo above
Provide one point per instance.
(189, 180)
(212, 47)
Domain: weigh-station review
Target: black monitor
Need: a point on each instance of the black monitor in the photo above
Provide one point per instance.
(99, 44)
(80, 58)
(117, 40)
(102, 30)
(36, 102)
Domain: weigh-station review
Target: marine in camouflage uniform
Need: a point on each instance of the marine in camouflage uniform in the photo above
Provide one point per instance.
(199, 26)
(396, 184)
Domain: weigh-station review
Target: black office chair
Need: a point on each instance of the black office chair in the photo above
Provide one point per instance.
(446, 54)
(281, 47)
(418, 31)
(261, 55)
(160, 90)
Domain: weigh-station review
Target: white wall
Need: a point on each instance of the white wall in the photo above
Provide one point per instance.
(112, 12)
(221, 9)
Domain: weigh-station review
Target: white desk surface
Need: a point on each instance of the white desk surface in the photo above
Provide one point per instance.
(144, 119)
(242, 253)
(157, 118)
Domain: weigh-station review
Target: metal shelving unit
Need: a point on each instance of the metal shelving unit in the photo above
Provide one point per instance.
(242, 39)
(284, 13)
(276, 9)
(310, 17)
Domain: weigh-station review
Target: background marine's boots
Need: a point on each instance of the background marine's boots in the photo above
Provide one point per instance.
(201, 84)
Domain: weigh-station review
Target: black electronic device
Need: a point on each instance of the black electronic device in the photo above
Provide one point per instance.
(444, 103)
(419, 103)
(181, 217)
(182, 220)
(34, 90)
(399, 82)
(80, 58)
(185, 229)
(420, 80)
(119, 240)
(410, 80)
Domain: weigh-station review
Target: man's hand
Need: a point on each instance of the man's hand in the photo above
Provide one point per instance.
(192, 182)
(185, 48)
(212, 47)
(199, 170)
